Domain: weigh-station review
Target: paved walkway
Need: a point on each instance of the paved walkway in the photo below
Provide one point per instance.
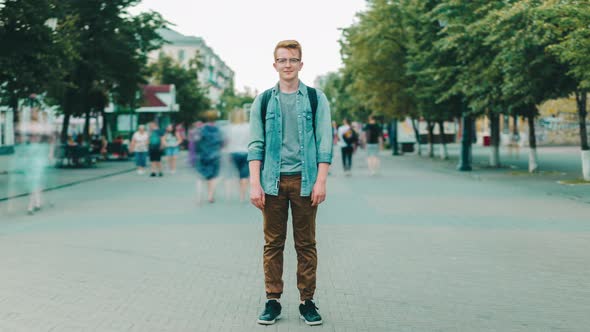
(414, 249)
(13, 182)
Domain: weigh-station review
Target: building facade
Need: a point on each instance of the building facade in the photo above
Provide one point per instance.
(216, 76)
(6, 130)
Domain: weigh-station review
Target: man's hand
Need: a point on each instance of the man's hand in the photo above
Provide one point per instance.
(318, 193)
(257, 196)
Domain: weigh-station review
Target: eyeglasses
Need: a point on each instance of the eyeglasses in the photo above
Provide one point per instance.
(283, 61)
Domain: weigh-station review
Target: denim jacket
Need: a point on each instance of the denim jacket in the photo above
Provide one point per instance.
(268, 150)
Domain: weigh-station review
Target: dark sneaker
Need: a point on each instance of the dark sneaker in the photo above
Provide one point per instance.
(160, 174)
(272, 312)
(153, 174)
(309, 313)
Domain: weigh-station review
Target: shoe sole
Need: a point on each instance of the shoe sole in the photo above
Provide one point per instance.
(268, 322)
(319, 322)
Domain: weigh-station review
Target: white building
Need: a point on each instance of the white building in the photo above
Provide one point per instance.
(6, 130)
(216, 76)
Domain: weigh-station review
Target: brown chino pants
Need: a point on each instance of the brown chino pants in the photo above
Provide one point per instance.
(275, 213)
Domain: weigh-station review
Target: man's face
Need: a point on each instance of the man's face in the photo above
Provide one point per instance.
(288, 63)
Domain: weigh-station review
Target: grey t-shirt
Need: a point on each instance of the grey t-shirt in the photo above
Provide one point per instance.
(290, 151)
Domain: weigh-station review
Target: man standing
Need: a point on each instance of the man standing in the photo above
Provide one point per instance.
(289, 154)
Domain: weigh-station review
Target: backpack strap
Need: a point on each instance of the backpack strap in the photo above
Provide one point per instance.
(313, 101)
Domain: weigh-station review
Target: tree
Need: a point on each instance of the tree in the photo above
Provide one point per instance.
(434, 68)
(568, 23)
(231, 100)
(190, 95)
(33, 55)
(530, 74)
(480, 77)
(373, 51)
(113, 47)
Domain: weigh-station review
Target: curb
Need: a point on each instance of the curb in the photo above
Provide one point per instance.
(70, 184)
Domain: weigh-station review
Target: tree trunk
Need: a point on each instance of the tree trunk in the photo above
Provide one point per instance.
(64, 128)
(103, 128)
(444, 153)
(417, 133)
(87, 128)
(581, 98)
(466, 141)
(533, 165)
(515, 126)
(495, 139)
(13, 103)
(393, 138)
(430, 126)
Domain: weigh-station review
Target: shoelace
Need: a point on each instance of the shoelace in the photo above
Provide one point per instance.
(309, 305)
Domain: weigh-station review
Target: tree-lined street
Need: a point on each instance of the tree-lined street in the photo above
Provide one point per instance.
(477, 237)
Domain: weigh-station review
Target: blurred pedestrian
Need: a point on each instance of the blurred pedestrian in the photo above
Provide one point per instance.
(290, 152)
(139, 146)
(34, 153)
(194, 135)
(239, 137)
(172, 141)
(373, 135)
(155, 149)
(334, 133)
(103, 147)
(347, 140)
(208, 155)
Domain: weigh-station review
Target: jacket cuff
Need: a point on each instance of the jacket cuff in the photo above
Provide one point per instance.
(325, 158)
(254, 155)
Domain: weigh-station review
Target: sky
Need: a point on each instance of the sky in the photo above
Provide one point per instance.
(244, 33)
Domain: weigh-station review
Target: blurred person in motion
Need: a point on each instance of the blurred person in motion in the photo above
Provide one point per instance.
(289, 155)
(347, 140)
(208, 156)
(139, 146)
(36, 139)
(237, 146)
(226, 169)
(104, 143)
(335, 132)
(194, 135)
(155, 149)
(373, 136)
(172, 140)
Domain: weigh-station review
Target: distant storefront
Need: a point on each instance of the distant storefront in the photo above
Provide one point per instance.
(158, 103)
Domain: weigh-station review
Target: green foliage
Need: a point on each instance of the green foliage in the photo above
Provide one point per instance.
(190, 96)
(374, 51)
(95, 50)
(568, 22)
(343, 102)
(231, 100)
(441, 58)
(32, 55)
